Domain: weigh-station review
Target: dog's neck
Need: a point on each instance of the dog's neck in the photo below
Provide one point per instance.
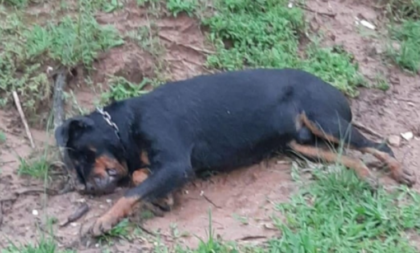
(121, 122)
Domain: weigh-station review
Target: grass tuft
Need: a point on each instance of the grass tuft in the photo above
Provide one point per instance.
(28, 48)
(121, 88)
(267, 33)
(405, 50)
(37, 168)
(339, 213)
(44, 246)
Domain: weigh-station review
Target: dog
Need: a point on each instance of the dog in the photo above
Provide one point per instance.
(211, 122)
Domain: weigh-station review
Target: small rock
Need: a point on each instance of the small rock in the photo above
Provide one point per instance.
(394, 140)
(367, 24)
(73, 224)
(408, 135)
(269, 226)
(396, 46)
(109, 201)
(35, 212)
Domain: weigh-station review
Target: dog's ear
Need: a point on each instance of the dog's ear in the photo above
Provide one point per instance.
(65, 130)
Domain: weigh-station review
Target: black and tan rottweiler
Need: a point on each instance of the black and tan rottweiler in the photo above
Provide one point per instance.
(218, 122)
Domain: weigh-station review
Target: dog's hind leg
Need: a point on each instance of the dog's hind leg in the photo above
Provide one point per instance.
(331, 157)
(339, 131)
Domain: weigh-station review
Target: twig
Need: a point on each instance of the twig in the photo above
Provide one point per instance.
(1, 213)
(201, 50)
(59, 116)
(331, 15)
(22, 117)
(367, 129)
(209, 200)
(252, 237)
(36, 190)
(82, 210)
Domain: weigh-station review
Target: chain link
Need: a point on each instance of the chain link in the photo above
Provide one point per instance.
(108, 120)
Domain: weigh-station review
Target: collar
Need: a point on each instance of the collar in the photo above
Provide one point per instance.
(108, 120)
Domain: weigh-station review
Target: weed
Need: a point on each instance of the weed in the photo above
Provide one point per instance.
(381, 82)
(407, 53)
(121, 88)
(242, 219)
(177, 6)
(15, 3)
(339, 213)
(44, 246)
(121, 230)
(27, 49)
(112, 5)
(2, 137)
(402, 9)
(335, 66)
(146, 215)
(37, 168)
(266, 34)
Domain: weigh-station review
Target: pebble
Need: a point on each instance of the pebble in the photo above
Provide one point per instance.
(394, 140)
(408, 135)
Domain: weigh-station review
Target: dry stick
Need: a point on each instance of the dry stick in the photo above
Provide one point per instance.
(84, 208)
(367, 129)
(1, 213)
(22, 117)
(200, 50)
(331, 15)
(58, 115)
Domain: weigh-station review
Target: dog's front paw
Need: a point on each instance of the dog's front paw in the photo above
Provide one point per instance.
(404, 176)
(104, 224)
(121, 209)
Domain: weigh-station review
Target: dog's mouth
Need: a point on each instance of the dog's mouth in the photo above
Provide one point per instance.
(101, 186)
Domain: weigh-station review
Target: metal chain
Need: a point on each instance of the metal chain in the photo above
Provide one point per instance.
(108, 120)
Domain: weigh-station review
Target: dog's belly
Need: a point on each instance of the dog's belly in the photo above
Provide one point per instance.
(213, 156)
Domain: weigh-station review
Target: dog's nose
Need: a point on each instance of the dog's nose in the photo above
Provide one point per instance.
(89, 187)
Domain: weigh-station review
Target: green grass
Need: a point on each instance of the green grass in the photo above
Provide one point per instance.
(15, 3)
(37, 168)
(44, 246)
(407, 54)
(27, 48)
(401, 9)
(121, 231)
(121, 88)
(339, 213)
(267, 33)
(3, 137)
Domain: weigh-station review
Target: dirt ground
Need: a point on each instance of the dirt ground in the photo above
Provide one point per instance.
(248, 192)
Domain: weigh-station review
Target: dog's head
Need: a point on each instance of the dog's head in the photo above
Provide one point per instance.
(95, 151)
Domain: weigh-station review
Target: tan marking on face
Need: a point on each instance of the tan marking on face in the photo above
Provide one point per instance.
(103, 163)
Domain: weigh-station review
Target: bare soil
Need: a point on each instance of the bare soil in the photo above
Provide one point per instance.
(248, 192)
